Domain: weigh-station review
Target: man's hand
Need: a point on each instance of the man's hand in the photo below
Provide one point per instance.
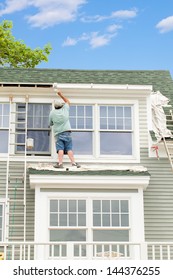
(66, 100)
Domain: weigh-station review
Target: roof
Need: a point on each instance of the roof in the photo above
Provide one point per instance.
(47, 169)
(160, 79)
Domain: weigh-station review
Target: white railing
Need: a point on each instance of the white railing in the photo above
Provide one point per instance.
(86, 251)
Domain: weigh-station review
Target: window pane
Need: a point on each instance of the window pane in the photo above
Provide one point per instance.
(115, 220)
(96, 206)
(0, 212)
(54, 206)
(103, 123)
(106, 205)
(120, 124)
(6, 109)
(110, 235)
(119, 111)
(89, 123)
(115, 206)
(63, 220)
(80, 123)
(89, 111)
(103, 111)
(68, 235)
(124, 220)
(80, 111)
(97, 220)
(81, 220)
(127, 112)
(116, 143)
(106, 220)
(127, 124)
(3, 141)
(81, 206)
(53, 220)
(63, 205)
(5, 122)
(82, 143)
(41, 140)
(111, 111)
(111, 124)
(72, 220)
(124, 206)
(72, 205)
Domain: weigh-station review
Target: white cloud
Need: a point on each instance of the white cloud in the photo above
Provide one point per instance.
(113, 28)
(124, 14)
(94, 39)
(70, 42)
(97, 40)
(121, 14)
(50, 12)
(12, 6)
(165, 25)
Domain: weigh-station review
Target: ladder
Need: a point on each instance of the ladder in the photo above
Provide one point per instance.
(15, 222)
(168, 142)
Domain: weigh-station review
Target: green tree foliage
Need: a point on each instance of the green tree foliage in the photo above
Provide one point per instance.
(15, 53)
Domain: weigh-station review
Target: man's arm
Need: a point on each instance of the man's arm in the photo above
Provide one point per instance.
(66, 100)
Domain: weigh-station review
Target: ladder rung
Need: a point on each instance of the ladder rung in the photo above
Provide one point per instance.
(17, 155)
(17, 133)
(21, 226)
(16, 200)
(16, 189)
(15, 176)
(15, 237)
(18, 112)
(18, 144)
(18, 122)
(15, 214)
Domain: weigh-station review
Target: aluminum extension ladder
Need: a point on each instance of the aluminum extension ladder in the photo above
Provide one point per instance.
(15, 222)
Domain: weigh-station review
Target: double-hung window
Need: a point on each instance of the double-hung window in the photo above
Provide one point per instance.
(67, 223)
(4, 126)
(37, 127)
(116, 130)
(80, 220)
(81, 119)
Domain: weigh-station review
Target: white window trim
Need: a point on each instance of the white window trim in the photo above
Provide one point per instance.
(4, 218)
(86, 94)
(136, 218)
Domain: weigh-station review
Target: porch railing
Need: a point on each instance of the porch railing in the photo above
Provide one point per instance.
(84, 250)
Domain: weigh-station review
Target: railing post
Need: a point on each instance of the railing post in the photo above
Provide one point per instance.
(144, 251)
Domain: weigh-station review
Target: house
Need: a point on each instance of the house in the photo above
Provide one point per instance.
(119, 204)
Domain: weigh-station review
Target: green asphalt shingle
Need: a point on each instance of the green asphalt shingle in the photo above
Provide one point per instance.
(160, 79)
(105, 172)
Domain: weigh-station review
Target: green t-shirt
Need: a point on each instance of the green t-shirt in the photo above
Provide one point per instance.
(59, 119)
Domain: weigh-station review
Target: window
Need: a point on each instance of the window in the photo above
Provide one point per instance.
(67, 223)
(116, 130)
(88, 220)
(1, 221)
(81, 119)
(37, 127)
(112, 215)
(4, 126)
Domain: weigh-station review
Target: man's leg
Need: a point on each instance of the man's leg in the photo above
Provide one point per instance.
(60, 156)
(71, 156)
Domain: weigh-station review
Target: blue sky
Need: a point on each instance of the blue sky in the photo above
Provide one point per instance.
(96, 34)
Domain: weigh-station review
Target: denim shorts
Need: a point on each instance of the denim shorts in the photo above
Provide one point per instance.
(63, 141)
